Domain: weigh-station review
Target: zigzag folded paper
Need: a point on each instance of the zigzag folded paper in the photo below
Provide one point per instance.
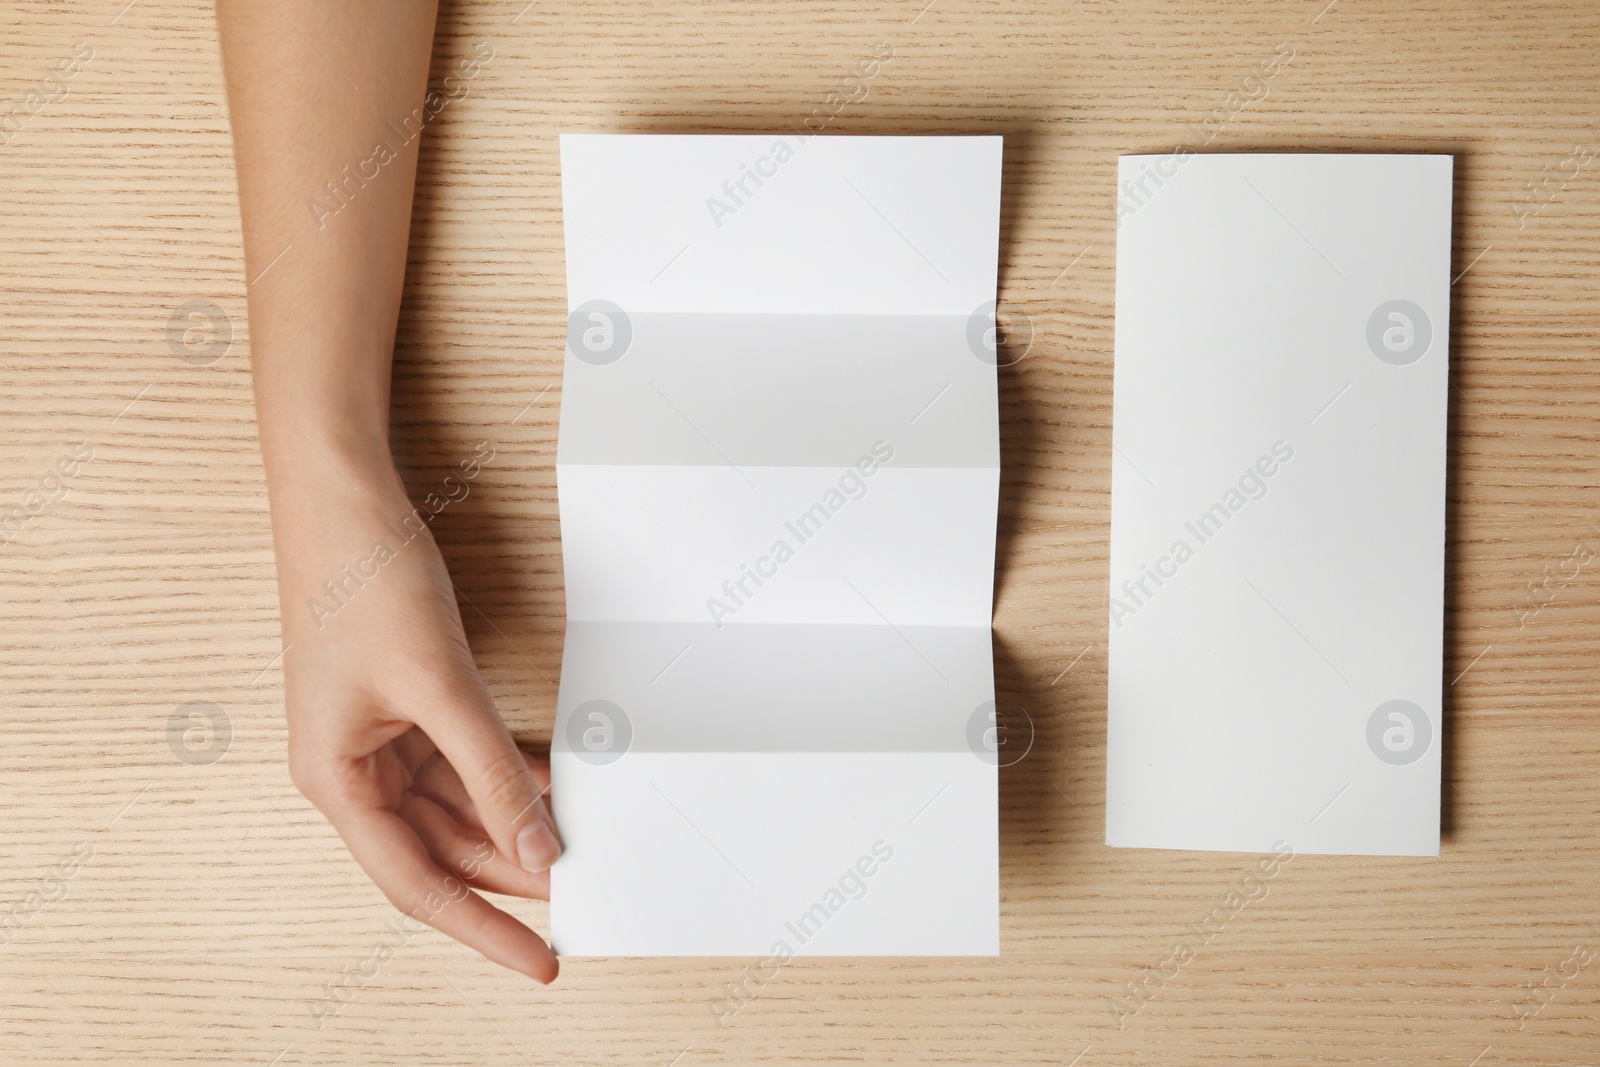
(778, 473)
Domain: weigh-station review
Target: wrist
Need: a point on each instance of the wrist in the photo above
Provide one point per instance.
(312, 457)
(328, 498)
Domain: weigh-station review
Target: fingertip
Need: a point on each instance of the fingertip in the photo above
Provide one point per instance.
(546, 971)
(537, 846)
(539, 962)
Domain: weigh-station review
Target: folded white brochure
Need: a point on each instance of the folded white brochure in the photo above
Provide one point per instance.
(1277, 503)
(778, 473)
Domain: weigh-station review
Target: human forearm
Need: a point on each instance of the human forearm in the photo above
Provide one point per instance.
(312, 89)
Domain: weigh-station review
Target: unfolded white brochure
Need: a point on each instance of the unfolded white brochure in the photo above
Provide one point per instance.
(778, 472)
(1278, 503)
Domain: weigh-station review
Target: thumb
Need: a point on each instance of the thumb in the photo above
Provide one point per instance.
(472, 736)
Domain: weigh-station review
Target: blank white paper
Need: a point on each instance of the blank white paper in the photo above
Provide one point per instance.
(1278, 503)
(778, 472)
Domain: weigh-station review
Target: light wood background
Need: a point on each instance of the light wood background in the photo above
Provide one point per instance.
(217, 904)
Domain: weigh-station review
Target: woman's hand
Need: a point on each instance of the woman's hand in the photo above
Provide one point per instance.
(392, 733)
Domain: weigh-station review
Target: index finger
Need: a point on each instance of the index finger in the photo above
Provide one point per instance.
(396, 860)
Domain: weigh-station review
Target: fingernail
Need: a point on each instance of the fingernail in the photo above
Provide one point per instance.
(537, 847)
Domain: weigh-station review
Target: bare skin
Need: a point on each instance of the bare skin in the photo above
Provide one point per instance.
(392, 732)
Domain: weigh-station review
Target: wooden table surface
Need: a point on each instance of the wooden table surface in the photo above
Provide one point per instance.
(172, 900)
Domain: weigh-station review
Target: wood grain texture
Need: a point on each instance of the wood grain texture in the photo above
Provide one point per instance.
(217, 905)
